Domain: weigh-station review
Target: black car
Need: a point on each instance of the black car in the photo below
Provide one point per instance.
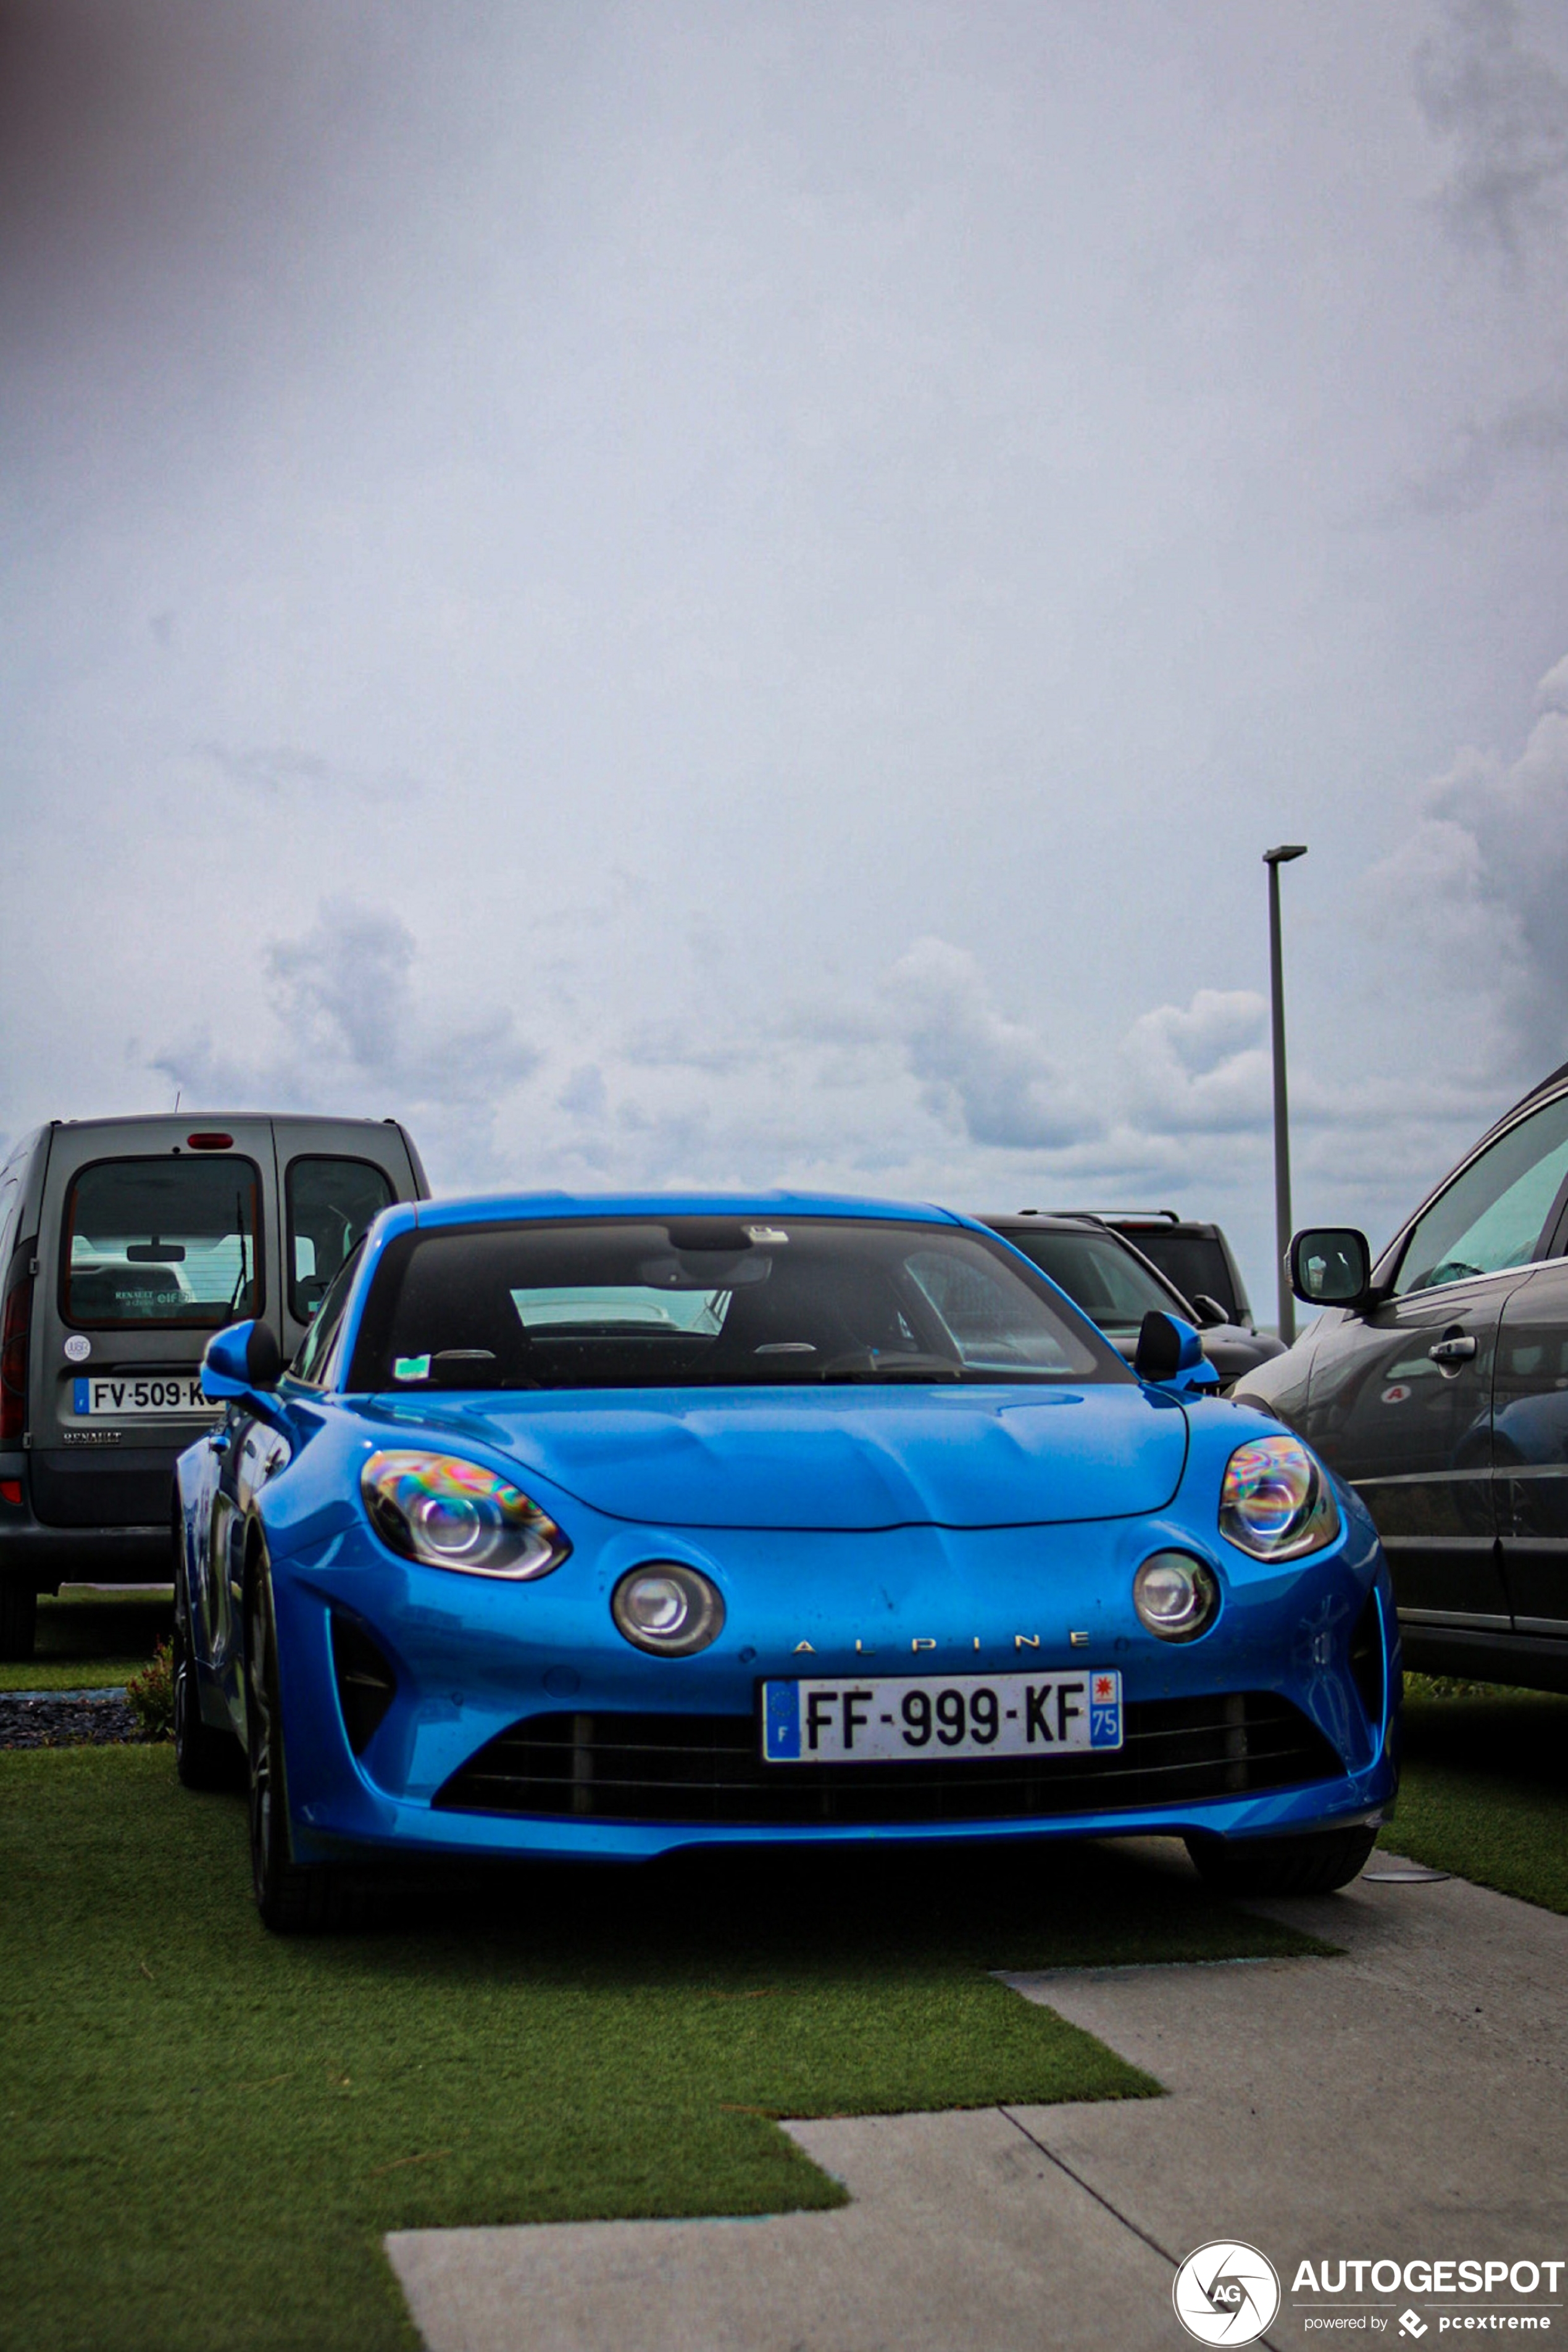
(1188, 1251)
(1437, 1382)
(1116, 1287)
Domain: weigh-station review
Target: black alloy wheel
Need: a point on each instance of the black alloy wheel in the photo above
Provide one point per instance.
(1317, 1864)
(204, 1758)
(292, 1898)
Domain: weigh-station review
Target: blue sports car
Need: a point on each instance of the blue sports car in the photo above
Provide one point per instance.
(597, 1528)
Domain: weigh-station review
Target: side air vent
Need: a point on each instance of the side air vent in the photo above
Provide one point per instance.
(366, 1684)
(1367, 1665)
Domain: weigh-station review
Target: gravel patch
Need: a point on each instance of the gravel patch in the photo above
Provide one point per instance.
(67, 1719)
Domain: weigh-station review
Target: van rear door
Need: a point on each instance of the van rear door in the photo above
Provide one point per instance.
(151, 1237)
(333, 1177)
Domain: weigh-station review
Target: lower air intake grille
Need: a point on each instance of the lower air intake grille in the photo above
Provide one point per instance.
(366, 1684)
(707, 1769)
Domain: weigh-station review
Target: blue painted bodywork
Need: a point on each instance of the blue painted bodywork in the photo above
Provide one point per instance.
(851, 1530)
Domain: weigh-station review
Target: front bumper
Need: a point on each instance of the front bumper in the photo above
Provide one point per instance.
(469, 1661)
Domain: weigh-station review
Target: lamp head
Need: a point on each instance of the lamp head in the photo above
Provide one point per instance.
(1285, 853)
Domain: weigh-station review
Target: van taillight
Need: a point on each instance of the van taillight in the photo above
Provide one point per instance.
(13, 1361)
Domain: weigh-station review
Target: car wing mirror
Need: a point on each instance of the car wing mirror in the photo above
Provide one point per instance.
(1210, 1312)
(243, 1360)
(1330, 1265)
(1170, 1354)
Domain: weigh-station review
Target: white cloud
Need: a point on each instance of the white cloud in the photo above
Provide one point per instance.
(355, 1037)
(983, 1075)
(1202, 1067)
(1477, 889)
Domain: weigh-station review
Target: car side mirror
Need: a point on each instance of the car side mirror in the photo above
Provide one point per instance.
(1170, 1354)
(243, 1360)
(1210, 1311)
(1330, 1265)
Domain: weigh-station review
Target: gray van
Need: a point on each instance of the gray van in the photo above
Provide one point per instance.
(124, 1244)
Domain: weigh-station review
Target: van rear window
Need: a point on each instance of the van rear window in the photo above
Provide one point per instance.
(167, 1241)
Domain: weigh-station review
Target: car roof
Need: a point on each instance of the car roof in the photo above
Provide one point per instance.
(1163, 1221)
(519, 1208)
(1030, 1221)
(174, 1120)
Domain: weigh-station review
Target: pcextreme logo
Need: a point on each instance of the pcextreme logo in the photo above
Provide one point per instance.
(1226, 2292)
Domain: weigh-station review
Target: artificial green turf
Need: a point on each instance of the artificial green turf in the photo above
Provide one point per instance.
(89, 1639)
(206, 2129)
(1484, 1789)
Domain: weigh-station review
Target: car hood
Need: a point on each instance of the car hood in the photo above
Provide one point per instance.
(841, 1458)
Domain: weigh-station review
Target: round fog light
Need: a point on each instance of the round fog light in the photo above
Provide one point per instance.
(667, 1609)
(1176, 1595)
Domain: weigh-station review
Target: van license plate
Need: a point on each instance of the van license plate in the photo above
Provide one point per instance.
(140, 1396)
(917, 1717)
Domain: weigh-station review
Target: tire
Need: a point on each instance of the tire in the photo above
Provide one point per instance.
(293, 1899)
(18, 1617)
(204, 1758)
(1314, 1864)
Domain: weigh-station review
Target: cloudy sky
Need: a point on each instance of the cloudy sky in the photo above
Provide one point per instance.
(695, 590)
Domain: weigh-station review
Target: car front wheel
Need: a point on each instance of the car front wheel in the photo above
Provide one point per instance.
(292, 1898)
(1314, 1864)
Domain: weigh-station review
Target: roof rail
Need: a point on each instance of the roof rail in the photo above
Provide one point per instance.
(1172, 1215)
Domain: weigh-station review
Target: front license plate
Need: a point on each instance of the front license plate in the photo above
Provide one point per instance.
(917, 1716)
(118, 1397)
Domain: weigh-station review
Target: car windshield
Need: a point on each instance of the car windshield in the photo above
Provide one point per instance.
(170, 1241)
(698, 1302)
(1098, 1275)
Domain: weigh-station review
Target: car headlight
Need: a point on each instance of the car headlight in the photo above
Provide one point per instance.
(667, 1609)
(1176, 1595)
(449, 1513)
(1276, 1503)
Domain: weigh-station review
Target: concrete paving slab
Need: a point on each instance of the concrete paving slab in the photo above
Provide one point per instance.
(1405, 2101)
(962, 2235)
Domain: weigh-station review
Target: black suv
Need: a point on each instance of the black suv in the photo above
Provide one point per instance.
(1116, 1285)
(1189, 1252)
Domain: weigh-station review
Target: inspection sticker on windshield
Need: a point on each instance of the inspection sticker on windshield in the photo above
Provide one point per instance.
(122, 1396)
(912, 1717)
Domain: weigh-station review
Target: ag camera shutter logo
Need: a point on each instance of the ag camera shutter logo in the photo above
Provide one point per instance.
(1226, 2292)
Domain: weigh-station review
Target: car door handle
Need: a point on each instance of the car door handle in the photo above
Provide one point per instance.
(1453, 1351)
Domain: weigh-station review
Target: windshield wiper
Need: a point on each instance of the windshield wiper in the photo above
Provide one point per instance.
(870, 1364)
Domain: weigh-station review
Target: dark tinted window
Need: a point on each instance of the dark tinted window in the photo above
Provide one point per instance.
(1193, 1263)
(1098, 1275)
(686, 1304)
(171, 1241)
(330, 1203)
(310, 1364)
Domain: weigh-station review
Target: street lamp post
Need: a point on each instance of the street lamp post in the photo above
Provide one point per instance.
(1274, 859)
